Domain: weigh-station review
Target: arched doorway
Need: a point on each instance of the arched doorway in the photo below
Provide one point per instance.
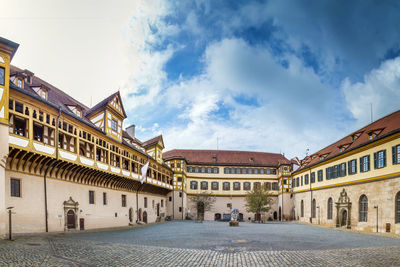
(130, 215)
(200, 211)
(343, 221)
(275, 216)
(71, 219)
(140, 214)
(217, 216)
(144, 216)
(240, 217)
(280, 213)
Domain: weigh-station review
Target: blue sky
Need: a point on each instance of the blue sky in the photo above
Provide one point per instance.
(276, 76)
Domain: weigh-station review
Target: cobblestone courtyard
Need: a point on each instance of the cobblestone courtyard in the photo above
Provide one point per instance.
(204, 244)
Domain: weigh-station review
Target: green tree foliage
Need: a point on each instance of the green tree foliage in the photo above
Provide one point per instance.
(258, 200)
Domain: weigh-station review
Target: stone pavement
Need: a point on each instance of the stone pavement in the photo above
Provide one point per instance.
(79, 250)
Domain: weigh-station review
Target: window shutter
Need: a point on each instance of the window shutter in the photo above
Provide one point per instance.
(344, 169)
(361, 165)
(349, 166)
(355, 165)
(384, 158)
(369, 163)
(375, 160)
(393, 155)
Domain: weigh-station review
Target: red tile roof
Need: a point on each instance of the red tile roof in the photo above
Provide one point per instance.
(227, 157)
(382, 127)
(152, 141)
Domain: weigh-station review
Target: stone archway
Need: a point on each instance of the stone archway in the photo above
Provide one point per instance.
(71, 211)
(343, 210)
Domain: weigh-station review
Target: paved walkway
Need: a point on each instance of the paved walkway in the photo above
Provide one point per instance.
(110, 249)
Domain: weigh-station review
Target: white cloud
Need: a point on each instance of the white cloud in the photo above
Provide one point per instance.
(381, 87)
(295, 111)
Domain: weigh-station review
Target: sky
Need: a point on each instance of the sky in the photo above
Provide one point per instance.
(273, 76)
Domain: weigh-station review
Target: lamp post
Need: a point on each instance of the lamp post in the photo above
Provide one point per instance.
(9, 223)
(376, 207)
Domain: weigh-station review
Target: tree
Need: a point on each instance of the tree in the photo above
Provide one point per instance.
(258, 201)
(201, 203)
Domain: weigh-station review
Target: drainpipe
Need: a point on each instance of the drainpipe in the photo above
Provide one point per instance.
(45, 174)
(309, 180)
(182, 198)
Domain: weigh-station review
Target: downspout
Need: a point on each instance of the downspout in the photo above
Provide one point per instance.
(310, 195)
(45, 174)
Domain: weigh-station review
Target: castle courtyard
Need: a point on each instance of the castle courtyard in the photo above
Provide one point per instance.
(204, 244)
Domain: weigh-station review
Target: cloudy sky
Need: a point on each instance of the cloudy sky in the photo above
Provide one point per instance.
(274, 76)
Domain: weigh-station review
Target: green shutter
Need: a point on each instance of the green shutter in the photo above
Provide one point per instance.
(375, 160)
(394, 155)
(369, 163)
(361, 165)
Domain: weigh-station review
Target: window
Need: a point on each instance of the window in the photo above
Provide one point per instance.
(37, 132)
(214, 185)
(19, 83)
(256, 185)
(193, 185)
(162, 203)
(170, 199)
(320, 176)
(364, 164)
(145, 202)
(180, 194)
(91, 197)
(104, 198)
(380, 159)
(313, 177)
(15, 187)
(204, 185)
(302, 208)
(246, 186)
(396, 154)
(226, 186)
(275, 186)
(114, 125)
(330, 208)
(297, 182)
(314, 208)
(20, 127)
(180, 209)
(123, 199)
(352, 166)
(2, 76)
(216, 170)
(236, 186)
(397, 204)
(306, 179)
(267, 186)
(363, 209)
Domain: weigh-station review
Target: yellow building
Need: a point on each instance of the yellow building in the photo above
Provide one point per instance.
(228, 176)
(354, 182)
(66, 166)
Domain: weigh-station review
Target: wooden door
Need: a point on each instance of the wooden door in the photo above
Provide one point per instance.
(144, 216)
(71, 219)
(81, 223)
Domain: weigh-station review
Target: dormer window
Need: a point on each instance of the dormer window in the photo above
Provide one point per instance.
(76, 110)
(114, 125)
(19, 83)
(41, 91)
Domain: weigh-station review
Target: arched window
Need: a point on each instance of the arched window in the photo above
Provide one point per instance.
(330, 208)
(302, 208)
(363, 208)
(397, 204)
(314, 208)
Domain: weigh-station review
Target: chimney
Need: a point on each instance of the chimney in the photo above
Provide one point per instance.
(131, 130)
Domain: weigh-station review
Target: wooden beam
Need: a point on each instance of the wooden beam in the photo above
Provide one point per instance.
(13, 158)
(21, 158)
(39, 162)
(27, 160)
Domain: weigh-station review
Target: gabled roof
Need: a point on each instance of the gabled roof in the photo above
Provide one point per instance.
(11, 44)
(104, 103)
(382, 127)
(227, 157)
(153, 141)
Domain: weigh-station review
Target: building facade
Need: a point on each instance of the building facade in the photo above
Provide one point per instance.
(65, 166)
(227, 176)
(354, 182)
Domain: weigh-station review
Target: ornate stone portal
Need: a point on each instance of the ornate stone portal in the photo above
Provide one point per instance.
(343, 210)
(71, 211)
